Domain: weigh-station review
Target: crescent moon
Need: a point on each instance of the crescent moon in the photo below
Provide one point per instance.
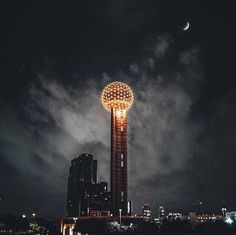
(186, 27)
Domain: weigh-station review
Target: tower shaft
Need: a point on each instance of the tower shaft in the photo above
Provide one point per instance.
(119, 183)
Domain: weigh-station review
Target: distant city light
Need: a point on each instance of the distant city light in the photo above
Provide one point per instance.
(75, 219)
(229, 221)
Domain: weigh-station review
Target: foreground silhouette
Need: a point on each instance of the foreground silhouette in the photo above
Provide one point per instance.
(176, 227)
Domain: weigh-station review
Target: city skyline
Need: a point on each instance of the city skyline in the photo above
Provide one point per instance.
(89, 198)
(57, 58)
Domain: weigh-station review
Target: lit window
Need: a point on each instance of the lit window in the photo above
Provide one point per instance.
(121, 128)
(122, 156)
(122, 164)
(122, 196)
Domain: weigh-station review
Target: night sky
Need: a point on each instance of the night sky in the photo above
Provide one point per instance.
(55, 59)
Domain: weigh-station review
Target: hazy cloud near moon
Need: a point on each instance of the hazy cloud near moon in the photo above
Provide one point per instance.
(65, 120)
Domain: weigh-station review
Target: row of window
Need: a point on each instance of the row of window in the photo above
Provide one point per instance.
(122, 162)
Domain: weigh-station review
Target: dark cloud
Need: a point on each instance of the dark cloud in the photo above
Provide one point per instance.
(64, 120)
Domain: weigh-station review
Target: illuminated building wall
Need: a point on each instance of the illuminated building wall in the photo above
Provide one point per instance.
(161, 212)
(147, 211)
(223, 209)
(129, 208)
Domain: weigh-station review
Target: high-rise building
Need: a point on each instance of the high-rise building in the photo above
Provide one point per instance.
(224, 210)
(147, 211)
(84, 194)
(230, 217)
(199, 208)
(161, 212)
(129, 208)
(192, 218)
(117, 98)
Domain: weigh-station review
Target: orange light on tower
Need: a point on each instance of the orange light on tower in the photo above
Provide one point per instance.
(117, 98)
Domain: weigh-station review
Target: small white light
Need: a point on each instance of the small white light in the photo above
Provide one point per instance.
(229, 221)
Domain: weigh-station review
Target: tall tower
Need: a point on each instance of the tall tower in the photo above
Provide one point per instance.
(117, 98)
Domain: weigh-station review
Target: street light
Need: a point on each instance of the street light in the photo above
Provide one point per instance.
(23, 216)
(120, 210)
(33, 215)
(75, 219)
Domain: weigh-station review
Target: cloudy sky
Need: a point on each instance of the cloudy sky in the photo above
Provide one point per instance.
(55, 60)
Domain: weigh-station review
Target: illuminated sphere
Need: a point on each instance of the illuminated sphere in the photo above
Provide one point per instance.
(117, 95)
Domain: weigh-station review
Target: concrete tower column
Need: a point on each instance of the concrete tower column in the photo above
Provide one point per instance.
(119, 184)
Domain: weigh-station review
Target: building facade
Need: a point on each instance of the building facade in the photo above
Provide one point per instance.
(147, 213)
(84, 194)
(161, 212)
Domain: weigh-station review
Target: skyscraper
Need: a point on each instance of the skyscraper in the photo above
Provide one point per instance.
(84, 194)
(117, 98)
(161, 212)
(223, 209)
(147, 211)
